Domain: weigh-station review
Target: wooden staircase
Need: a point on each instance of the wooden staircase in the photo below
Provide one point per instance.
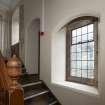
(36, 92)
(27, 90)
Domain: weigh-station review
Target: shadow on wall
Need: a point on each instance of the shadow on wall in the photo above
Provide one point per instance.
(32, 51)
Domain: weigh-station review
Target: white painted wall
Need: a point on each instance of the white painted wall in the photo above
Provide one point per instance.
(32, 10)
(33, 47)
(15, 32)
(59, 58)
(5, 30)
(15, 27)
(57, 14)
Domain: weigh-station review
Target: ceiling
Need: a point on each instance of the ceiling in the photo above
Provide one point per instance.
(9, 3)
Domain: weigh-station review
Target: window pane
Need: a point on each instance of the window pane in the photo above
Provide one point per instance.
(79, 64)
(78, 73)
(90, 64)
(91, 55)
(84, 73)
(73, 56)
(79, 47)
(74, 40)
(84, 55)
(84, 30)
(84, 47)
(79, 56)
(74, 48)
(84, 38)
(73, 33)
(73, 64)
(90, 28)
(78, 39)
(90, 36)
(84, 64)
(78, 31)
(91, 74)
(73, 72)
(90, 46)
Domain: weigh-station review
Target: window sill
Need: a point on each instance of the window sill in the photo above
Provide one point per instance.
(80, 88)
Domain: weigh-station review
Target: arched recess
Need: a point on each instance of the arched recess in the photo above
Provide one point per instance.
(33, 47)
(58, 57)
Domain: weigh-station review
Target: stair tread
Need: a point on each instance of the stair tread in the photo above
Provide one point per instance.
(53, 103)
(28, 81)
(31, 83)
(34, 93)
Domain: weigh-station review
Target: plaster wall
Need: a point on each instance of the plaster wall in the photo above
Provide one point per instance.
(32, 12)
(57, 14)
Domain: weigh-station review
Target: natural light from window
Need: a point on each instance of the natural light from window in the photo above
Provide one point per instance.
(82, 52)
(15, 27)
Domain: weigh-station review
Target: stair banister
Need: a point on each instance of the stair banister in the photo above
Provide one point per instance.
(16, 96)
(11, 92)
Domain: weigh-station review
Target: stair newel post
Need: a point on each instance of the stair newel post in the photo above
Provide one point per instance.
(16, 94)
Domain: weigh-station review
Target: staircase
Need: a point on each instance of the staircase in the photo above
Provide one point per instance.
(36, 92)
(17, 88)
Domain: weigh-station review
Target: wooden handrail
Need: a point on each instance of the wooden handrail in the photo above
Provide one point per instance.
(4, 79)
(11, 92)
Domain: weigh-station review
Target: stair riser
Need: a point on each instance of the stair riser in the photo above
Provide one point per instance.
(40, 100)
(34, 87)
(28, 78)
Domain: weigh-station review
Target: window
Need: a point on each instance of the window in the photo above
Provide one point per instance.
(15, 27)
(1, 36)
(81, 50)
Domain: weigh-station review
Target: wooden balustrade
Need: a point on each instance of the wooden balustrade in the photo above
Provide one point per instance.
(11, 92)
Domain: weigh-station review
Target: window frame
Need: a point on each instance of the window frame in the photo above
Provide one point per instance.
(75, 24)
(1, 36)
